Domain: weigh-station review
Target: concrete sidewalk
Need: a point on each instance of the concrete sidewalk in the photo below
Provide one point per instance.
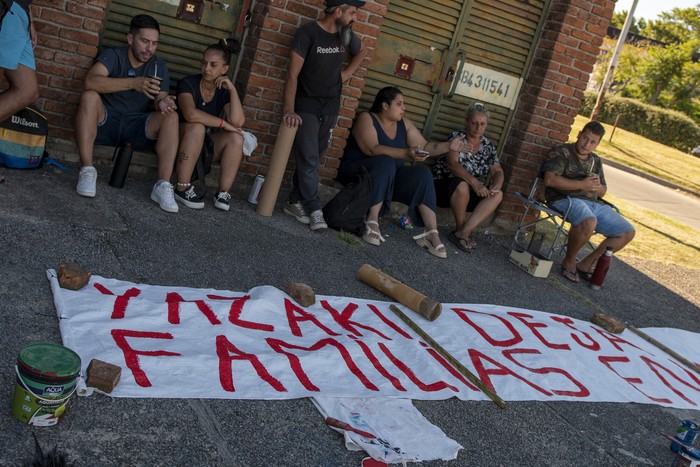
(122, 234)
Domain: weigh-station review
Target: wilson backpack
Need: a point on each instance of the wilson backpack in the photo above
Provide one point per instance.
(347, 210)
(23, 139)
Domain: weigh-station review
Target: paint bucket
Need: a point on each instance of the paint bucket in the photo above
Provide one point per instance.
(47, 376)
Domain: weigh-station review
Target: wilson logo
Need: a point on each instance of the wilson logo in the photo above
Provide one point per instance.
(24, 122)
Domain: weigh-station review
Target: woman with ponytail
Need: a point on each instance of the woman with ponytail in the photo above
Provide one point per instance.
(209, 105)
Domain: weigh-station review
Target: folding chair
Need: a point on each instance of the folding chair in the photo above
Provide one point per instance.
(535, 205)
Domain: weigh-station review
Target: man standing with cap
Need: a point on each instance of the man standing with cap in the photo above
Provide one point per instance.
(312, 98)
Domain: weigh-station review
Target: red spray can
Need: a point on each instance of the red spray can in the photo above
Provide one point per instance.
(601, 269)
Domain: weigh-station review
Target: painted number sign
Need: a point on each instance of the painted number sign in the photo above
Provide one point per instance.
(486, 85)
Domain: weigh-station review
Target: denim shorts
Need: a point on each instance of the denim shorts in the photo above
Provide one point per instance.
(118, 128)
(16, 47)
(609, 222)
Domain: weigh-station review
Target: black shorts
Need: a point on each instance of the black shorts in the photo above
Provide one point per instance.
(444, 187)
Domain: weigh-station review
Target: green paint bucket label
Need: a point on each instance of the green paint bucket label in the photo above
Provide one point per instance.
(47, 376)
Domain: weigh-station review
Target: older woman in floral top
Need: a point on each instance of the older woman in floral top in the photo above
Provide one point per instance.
(460, 179)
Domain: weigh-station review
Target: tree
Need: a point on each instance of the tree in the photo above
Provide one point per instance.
(675, 27)
(660, 74)
(664, 65)
(618, 21)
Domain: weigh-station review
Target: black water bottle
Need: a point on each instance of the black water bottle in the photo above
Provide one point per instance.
(121, 165)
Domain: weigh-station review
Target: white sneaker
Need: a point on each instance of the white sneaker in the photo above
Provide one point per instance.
(87, 182)
(162, 194)
(317, 220)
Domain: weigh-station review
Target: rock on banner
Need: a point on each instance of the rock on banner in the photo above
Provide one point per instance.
(204, 343)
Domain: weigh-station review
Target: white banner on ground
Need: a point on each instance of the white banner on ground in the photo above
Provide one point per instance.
(260, 344)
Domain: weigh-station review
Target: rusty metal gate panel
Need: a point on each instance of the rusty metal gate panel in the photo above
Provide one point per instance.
(409, 54)
(495, 51)
(464, 51)
(181, 41)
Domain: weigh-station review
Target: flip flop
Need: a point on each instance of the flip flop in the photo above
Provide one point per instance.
(461, 243)
(569, 274)
(585, 275)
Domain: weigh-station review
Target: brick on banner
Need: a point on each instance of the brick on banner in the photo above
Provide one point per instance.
(302, 293)
(73, 277)
(102, 375)
(608, 323)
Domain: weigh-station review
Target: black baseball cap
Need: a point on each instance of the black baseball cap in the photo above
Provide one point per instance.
(334, 3)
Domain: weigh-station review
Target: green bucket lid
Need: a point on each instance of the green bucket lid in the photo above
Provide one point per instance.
(48, 359)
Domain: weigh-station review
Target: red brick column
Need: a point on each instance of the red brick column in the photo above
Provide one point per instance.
(264, 71)
(552, 92)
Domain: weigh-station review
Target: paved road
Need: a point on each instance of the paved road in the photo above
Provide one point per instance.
(122, 234)
(675, 204)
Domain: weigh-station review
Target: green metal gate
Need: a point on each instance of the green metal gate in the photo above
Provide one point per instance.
(445, 54)
(181, 41)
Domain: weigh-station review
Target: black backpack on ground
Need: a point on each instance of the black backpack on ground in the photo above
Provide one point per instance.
(347, 210)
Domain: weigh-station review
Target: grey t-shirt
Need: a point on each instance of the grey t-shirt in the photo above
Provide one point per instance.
(116, 59)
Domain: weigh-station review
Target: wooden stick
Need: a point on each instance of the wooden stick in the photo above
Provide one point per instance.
(275, 171)
(334, 422)
(405, 295)
(659, 345)
(447, 356)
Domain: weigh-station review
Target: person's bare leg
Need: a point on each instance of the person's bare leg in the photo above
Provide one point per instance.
(578, 237)
(481, 212)
(430, 221)
(90, 112)
(165, 126)
(191, 140)
(230, 146)
(458, 203)
(23, 90)
(617, 243)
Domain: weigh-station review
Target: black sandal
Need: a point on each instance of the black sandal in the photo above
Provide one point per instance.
(569, 274)
(585, 275)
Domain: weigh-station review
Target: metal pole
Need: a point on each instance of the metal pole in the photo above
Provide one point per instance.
(613, 62)
(612, 133)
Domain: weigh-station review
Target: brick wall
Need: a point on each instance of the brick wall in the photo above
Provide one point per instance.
(553, 91)
(68, 35)
(264, 71)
